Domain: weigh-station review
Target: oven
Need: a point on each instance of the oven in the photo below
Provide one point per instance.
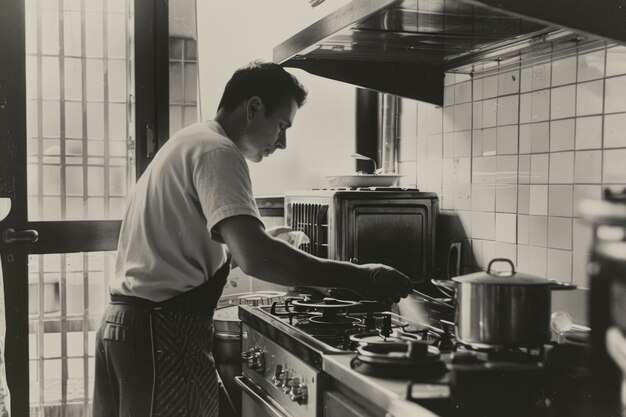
(388, 225)
(276, 381)
(255, 402)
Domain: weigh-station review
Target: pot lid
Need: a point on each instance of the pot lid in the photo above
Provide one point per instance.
(491, 277)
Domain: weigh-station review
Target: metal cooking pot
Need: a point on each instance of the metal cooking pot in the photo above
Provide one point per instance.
(503, 309)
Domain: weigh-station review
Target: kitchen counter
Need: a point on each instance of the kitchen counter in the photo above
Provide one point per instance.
(385, 393)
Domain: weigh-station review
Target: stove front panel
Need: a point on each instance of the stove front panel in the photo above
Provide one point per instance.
(281, 374)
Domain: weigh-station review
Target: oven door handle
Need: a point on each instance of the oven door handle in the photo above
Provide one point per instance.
(259, 396)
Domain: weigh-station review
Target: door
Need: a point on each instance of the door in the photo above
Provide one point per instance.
(76, 127)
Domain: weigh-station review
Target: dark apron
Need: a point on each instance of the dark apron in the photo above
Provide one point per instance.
(154, 359)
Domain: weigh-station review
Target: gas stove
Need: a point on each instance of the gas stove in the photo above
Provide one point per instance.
(370, 354)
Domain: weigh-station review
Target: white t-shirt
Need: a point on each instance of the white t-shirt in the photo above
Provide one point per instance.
(167, 242)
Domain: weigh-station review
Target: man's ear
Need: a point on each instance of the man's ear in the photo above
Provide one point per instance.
(253, 106)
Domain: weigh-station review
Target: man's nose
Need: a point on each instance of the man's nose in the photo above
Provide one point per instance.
(282, 141)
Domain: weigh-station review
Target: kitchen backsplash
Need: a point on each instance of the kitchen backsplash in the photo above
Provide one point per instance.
(512, 152)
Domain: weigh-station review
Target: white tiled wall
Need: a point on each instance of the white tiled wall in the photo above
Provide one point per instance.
(513, 151)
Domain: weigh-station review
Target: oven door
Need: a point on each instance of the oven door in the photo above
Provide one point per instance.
(255, 402)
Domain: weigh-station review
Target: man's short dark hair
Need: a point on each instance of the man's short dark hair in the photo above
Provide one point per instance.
(267, 80)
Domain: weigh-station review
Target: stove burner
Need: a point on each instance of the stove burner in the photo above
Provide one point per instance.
(404, 359)
(325, 303)
(402, 352)
(372, 338)
(334, 320)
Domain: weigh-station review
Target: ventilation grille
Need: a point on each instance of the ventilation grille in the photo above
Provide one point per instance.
(312, 219)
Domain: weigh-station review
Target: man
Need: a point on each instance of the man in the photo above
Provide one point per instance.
(153, 353)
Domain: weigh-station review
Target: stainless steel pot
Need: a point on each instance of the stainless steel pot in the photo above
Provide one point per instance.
(502, 309)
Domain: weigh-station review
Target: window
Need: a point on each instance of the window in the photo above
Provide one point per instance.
(183, 83)
(79, 85)
(78, 69)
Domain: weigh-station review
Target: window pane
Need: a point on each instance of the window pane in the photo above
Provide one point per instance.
(93, 35)
(51, 147)
(62, 177)
(95, 181)
(95, 208)
(117, 80)
(117, 181)
(72, 5)
(72, 39)
(61, 347)
(176, 119)
(50, 77)
(31, 31)
(75, 344)
(51, 180)
(176, 49)
(50, 31)
(52, 5)
(51, 113)
(117, 29)
(190, 50)
(73, 119)
(95, 148)
(95, 121)
(183, 81)
(75, 207)
(117, 206)
(73, 79)
(93, 6)
(95, 79)
(74, 185)
(176, 82)
(32, 117)
(73, 148)
(52, 207)
(117, 121)
(31, 77)
(191, 78)
(118, 6)
(32, 172)
(118, 149)
(191, 115)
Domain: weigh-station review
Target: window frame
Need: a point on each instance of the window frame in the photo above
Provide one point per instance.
(151, 105)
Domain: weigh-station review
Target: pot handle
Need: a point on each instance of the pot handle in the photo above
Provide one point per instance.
(501, 260)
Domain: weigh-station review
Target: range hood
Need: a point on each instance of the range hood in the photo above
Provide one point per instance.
(403, 47)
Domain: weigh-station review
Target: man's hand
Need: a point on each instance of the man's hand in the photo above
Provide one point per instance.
(386, 284)
(286, 234)
(278, 230)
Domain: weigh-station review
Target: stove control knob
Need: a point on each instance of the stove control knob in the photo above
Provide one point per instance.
(299, 394)
(256, 361)
(290, 383)
(279, 376)
(255, 358)
(245, 356)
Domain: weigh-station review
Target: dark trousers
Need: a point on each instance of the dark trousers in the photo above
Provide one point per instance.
(154, 359)
(154, 364)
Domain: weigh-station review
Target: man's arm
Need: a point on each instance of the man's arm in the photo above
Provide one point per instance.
(269, 259)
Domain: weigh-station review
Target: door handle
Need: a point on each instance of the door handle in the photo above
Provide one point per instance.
(12, 236)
